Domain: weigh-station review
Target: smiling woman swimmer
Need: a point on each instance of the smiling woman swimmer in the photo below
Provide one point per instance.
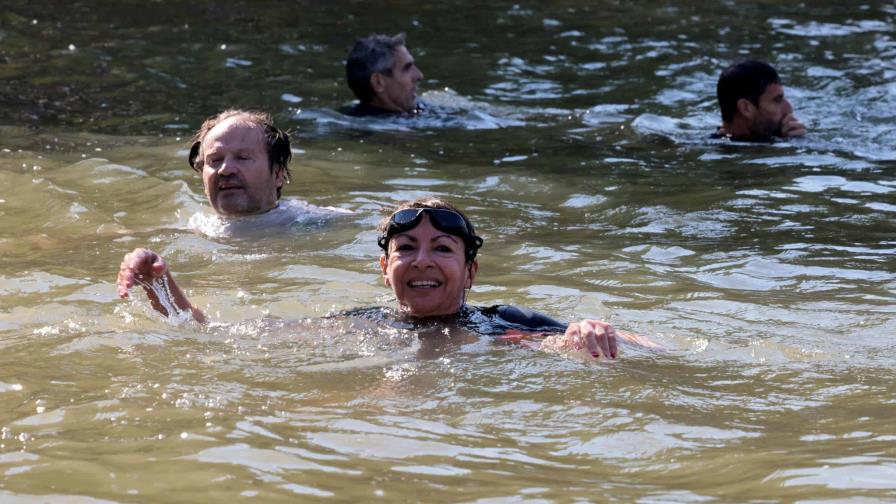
(429, 262)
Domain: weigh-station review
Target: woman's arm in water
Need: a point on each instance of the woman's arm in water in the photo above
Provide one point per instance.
(149, 270)
(596, 337)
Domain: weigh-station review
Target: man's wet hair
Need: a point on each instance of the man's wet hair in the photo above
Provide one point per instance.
(746, 79)
(370, 55)
(276, 140)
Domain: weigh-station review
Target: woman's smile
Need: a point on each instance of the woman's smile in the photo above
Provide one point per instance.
(424, 284)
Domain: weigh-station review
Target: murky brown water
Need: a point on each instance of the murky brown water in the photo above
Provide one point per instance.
(577, 141)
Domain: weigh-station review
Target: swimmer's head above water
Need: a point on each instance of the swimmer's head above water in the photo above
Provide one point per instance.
(382, 74)
(751, 99)
(244, 162)
(429, 256)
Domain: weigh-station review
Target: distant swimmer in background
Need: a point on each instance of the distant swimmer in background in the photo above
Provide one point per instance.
(429, 262)
(754, 109)
(244, 162)
(381, 72)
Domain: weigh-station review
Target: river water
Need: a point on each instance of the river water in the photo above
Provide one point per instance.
(574, 133)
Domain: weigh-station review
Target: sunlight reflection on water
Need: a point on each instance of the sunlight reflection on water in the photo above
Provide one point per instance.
(577, 138)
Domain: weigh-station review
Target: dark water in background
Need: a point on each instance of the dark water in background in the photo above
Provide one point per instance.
(578, 144)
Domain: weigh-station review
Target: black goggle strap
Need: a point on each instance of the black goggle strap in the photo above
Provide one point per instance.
(408, 217)
(442, 219)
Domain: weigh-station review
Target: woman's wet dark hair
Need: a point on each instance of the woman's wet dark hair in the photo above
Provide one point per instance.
(471, 245)
(276, 140)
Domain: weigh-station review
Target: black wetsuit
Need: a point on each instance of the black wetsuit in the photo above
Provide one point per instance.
(718, 135)
(368, 110)
(495, 320)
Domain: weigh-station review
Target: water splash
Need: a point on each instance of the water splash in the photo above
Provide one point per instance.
(161, 288)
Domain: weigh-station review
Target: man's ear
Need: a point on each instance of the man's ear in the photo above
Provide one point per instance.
(746, 108)
(194, 154)
(471, 274)
(377, 82)
(383, 264)
(279, 176)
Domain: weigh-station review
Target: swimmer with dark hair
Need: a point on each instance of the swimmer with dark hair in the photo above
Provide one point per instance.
(754, 109)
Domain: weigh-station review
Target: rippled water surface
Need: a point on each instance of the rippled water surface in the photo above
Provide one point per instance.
(576, 136)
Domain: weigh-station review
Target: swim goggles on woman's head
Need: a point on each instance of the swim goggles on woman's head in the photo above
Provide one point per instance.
(442, 219)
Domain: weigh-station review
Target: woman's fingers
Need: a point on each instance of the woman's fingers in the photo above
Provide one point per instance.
(589, 331)
(611, 340)
(601, 338)
(595, 336)
(573, 337)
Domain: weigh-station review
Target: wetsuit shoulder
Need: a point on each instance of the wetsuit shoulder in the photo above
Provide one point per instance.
(378, 315)
(367, 110)
(500, 318)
